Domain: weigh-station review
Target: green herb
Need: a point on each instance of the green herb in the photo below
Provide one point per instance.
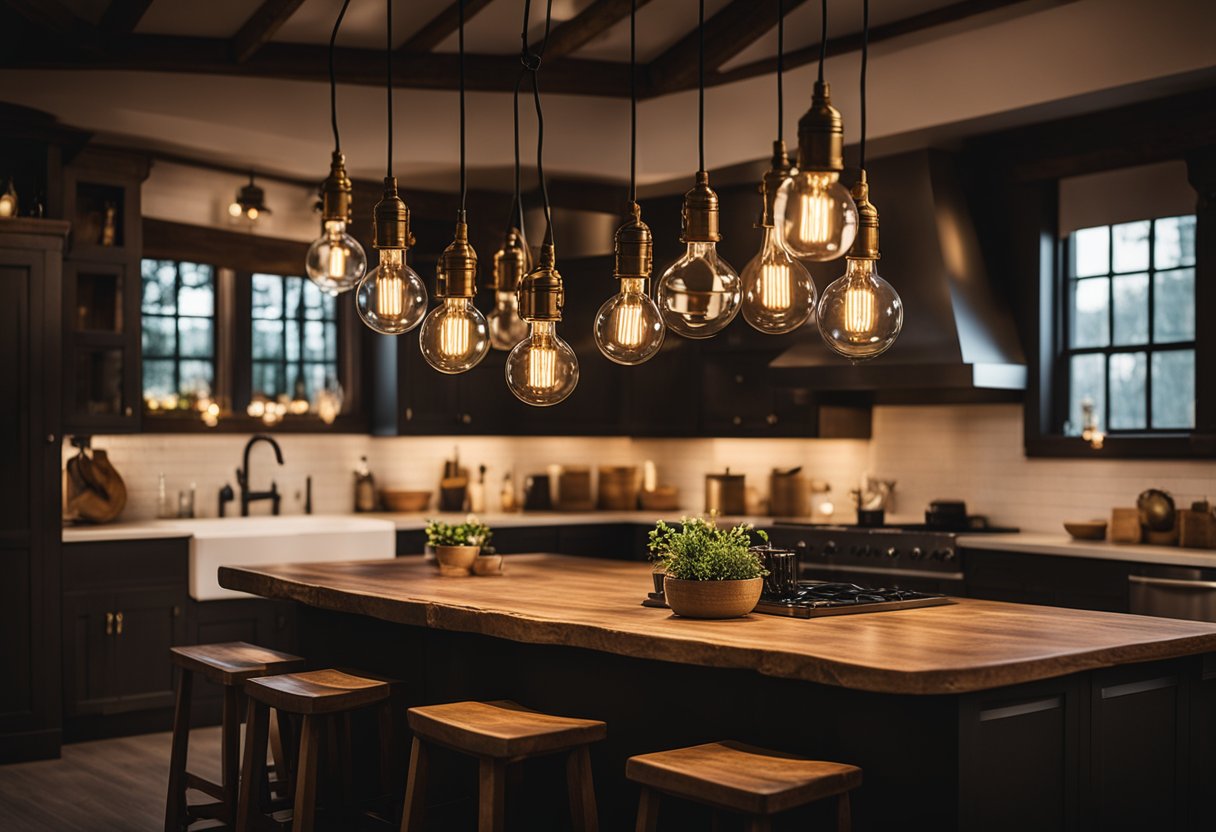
(700, 551)
(472, 532)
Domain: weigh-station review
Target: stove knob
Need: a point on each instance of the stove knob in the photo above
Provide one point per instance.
(892, 552)
(917, 553)
(948, 555)
(829, 548)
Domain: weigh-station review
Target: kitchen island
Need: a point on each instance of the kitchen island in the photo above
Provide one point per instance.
(975, 715)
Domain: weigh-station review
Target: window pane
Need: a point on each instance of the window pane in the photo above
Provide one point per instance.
(266, 380)
(196, 378)
(196, 338)
(314, 306)
(1175, 245)
(314, 341)
(159, 286)
(158, 378)
(293, 340)
(267, 296)
(197, 295)
(267, 339)
(157, 336)
(294, 289)
(1090, 320)
(1088, 373)
(1127, 390)
(1131, 309)
(331, 345)
(314, 377)
(1091, 251)
(1131, 246)
(293, 373)
(1174, 389)
(1174, 311)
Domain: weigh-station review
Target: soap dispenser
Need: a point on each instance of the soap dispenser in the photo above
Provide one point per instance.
(365, 487)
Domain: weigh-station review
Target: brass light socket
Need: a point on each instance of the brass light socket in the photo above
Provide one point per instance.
(391, 219)
(821, 133)
(779, 170)
(541, 294)
(865, 246)
(456, 269)
(634, 247)
(511, 262)
(336, 192)
(700, 213)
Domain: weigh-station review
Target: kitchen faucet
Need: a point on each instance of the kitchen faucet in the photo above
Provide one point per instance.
(242, 477)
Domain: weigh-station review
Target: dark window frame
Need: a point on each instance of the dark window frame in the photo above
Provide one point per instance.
(176, 357)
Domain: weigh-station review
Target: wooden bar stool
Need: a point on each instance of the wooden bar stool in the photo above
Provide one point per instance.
(227, 664)
(498, 733)
(318, 696)
(741, 778)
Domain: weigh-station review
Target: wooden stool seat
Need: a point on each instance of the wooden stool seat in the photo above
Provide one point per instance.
(232, 662)
(502, 729)
(317, 691)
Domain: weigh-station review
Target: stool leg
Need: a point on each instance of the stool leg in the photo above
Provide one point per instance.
(253, 771)
(230, 750)
(280, 788)
(303, 815)
(759, 823)
(175, 802)
(415, 788)
(491, 800)
(582, 790)
(648, 811)
(844, 813)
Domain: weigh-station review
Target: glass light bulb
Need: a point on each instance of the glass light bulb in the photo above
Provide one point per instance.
(235, 209)
(860, 314)
(506, 327)
(335, 262)
(628, 327)
(816, 215)
(391, 298)
(700, 293)
(455, 336)
(778, 291)
(542, 370)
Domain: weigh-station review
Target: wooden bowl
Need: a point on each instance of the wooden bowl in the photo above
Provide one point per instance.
(712, 599)
(398, 500)
(1086, 529)
(456, 559)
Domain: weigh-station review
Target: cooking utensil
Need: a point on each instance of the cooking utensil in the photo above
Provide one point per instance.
(782, 565)
(404, 500)
(1156, 509)
(1086, 529)
(618, 489)
(725, 494)
(788, 493)
(948, 515)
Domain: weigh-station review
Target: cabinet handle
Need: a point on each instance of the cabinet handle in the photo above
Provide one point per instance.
(118, 623)
(128, 411)
(771, 418)
(736, 420)
(466, 418)
(109, 623)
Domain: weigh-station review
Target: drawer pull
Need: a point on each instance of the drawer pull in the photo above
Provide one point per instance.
(109, 623)
(118, 623)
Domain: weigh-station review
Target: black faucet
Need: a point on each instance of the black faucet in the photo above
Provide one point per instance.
(242, 477)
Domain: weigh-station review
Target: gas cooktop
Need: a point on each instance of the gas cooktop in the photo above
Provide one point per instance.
(819, 598)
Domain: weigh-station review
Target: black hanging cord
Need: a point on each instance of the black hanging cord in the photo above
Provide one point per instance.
(463, 189)
(780, 68)
(531, 61)
(701, 83)
(516, 214)
(823, 37)
(633, 103)
(865, 56)
(333, 79)
(388, 77)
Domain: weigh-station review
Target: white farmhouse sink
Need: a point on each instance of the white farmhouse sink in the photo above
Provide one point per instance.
(250, 541)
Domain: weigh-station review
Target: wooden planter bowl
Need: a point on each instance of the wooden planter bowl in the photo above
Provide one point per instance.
(456, 560)
(712, 599)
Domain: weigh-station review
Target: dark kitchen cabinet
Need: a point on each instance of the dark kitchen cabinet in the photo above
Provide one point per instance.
(31, 253)
(597, 540)
(1077, 583)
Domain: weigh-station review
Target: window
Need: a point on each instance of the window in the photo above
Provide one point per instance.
(178, 306)
(1129, 325)
(294, 336)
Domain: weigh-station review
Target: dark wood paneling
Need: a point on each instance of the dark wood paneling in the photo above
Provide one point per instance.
(1077, 583)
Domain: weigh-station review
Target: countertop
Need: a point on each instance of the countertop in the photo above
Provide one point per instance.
(595, 604)
(1062, 545)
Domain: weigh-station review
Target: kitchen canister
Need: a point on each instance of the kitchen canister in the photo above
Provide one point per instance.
(724, 494)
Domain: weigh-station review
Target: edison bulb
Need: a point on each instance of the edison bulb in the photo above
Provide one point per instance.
(391, 298)
(628, 327)
(506, 327)
(816, 215)
(860, 314)
(335, 262)
(455, 336)
(699, 294)
(542, 370)
(778, 291)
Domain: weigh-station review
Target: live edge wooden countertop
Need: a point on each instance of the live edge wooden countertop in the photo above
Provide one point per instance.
(595, 604)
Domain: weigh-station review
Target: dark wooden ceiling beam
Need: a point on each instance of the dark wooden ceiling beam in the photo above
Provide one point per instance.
(597, 18)
(727, 33)
(439, 27)
(122, 16)
(260, 27)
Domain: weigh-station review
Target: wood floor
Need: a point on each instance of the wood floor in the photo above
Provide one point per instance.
(116, 784)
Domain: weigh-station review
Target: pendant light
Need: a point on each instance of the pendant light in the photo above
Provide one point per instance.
(699, 294)
(391, 298)
(541, 370)
(817, 216)
(628, 327)
(860, 314)
(455, 336)
(335, 261)
(778, 291)
(250, 202)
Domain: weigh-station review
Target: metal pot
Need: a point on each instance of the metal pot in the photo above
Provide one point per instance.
(724, 494)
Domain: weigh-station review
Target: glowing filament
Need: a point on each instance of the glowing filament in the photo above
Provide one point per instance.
(816, 226)
(337, 259)
(630, 324)
(776, 286)
(542, 367)
(454, 335)
(390, 294)
(859, 310)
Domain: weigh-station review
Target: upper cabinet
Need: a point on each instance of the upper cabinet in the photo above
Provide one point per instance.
(101, 293)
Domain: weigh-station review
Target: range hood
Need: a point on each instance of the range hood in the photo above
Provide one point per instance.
(959, 342)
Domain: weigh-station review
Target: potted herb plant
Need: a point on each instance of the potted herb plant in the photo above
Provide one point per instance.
(708, 572)
(457, 545)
